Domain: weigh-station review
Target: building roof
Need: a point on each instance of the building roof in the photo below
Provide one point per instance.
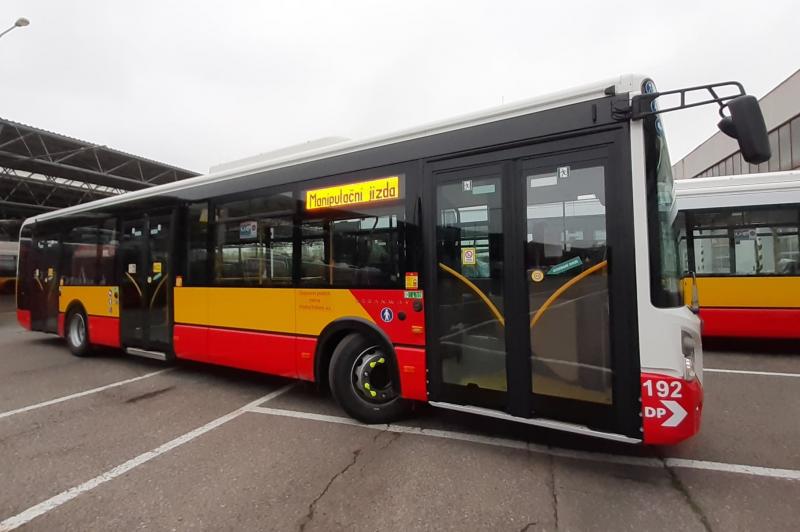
(42, 170)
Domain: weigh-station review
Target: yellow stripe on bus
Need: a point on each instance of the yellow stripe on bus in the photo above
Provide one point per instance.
(97, 300)
(272, 309)
(745, 292)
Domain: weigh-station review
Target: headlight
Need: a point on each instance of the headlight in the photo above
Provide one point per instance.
(688, 348)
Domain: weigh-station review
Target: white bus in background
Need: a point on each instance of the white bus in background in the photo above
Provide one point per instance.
(741, 240)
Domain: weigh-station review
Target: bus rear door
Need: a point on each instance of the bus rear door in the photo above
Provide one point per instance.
(44, 280)
(145, 284)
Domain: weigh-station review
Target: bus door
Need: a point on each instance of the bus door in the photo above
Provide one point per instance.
(43, 281)
(521, 282)
(145, 284)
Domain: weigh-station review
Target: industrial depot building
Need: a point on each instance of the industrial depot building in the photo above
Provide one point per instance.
(719, 154)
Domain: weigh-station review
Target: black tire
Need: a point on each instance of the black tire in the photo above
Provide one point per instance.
(352, 353)
(76, 332)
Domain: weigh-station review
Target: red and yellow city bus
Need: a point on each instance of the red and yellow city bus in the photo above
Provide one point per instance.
(8, 267)
(519, 263)
(741, 240)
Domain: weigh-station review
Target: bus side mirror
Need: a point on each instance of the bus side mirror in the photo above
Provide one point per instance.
(746, 125)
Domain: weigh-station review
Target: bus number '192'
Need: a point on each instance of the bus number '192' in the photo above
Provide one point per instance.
(663, 389)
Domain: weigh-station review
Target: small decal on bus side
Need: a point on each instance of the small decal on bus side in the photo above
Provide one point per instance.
(387, 315)
(248, 230)
(561, 267)
(132, 268)
(412, 280)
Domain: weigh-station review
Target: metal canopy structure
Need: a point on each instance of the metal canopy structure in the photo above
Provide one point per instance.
(42, 171)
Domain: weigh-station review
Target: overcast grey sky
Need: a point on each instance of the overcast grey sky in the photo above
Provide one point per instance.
(196, 83)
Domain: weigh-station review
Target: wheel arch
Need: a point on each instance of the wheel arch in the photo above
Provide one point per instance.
(72, 306)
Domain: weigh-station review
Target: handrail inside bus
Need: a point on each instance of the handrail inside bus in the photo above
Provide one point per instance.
(564, 287)
(477, 291)
(155, 292)
(135, 284)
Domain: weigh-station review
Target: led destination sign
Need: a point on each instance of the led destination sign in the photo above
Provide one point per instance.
(377, 190)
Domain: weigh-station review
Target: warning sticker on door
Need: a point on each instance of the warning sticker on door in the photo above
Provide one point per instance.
(132, 268)
(156, 267)
(469, 256)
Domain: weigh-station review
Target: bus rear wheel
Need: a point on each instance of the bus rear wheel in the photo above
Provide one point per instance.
(363, 380)
(77, 333)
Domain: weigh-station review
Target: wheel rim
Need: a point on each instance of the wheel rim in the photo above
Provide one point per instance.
(372, 377)
(77, 330)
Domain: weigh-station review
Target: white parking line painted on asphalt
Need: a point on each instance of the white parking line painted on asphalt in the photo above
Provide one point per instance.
(82, 394)
(750, 372)
(43, 507)
(642, 461)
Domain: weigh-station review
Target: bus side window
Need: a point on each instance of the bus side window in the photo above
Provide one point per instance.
(108, 241)
(80, 250)
(354, 249)
(253, 241)
(197, 258)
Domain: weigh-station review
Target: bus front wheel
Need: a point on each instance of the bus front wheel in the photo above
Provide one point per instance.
(363, 379)
(77, 333)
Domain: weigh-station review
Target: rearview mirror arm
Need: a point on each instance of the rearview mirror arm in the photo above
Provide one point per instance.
(641, 105)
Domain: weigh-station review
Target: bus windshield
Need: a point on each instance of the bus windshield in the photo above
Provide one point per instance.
(665, 270)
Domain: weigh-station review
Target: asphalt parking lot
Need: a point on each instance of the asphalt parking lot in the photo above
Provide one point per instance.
(113, 442)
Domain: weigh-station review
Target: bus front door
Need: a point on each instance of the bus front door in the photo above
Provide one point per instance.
(520, 287)
(145, 284)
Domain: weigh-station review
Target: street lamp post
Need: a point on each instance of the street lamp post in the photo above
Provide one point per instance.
(20, 23)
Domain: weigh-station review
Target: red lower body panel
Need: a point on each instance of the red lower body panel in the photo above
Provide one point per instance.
(776, 323)
(305, 348)
(191, 342)
(671, 408)
(255, 351)
(103, 330)
(24, 318)
(60, 331)
(280, 354)
(411, 366)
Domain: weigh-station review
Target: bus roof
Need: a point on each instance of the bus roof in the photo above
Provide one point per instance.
(628, 83)
(738, 190)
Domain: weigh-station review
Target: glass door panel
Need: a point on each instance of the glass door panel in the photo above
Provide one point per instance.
(133, 286)
(469, 284)
(158, 280)
(566, 266)
(45, 280)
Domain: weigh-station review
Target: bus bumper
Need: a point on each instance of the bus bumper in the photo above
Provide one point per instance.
(671, 408)
(24, 318)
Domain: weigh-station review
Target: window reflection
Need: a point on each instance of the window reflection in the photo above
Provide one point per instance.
(565, 254)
